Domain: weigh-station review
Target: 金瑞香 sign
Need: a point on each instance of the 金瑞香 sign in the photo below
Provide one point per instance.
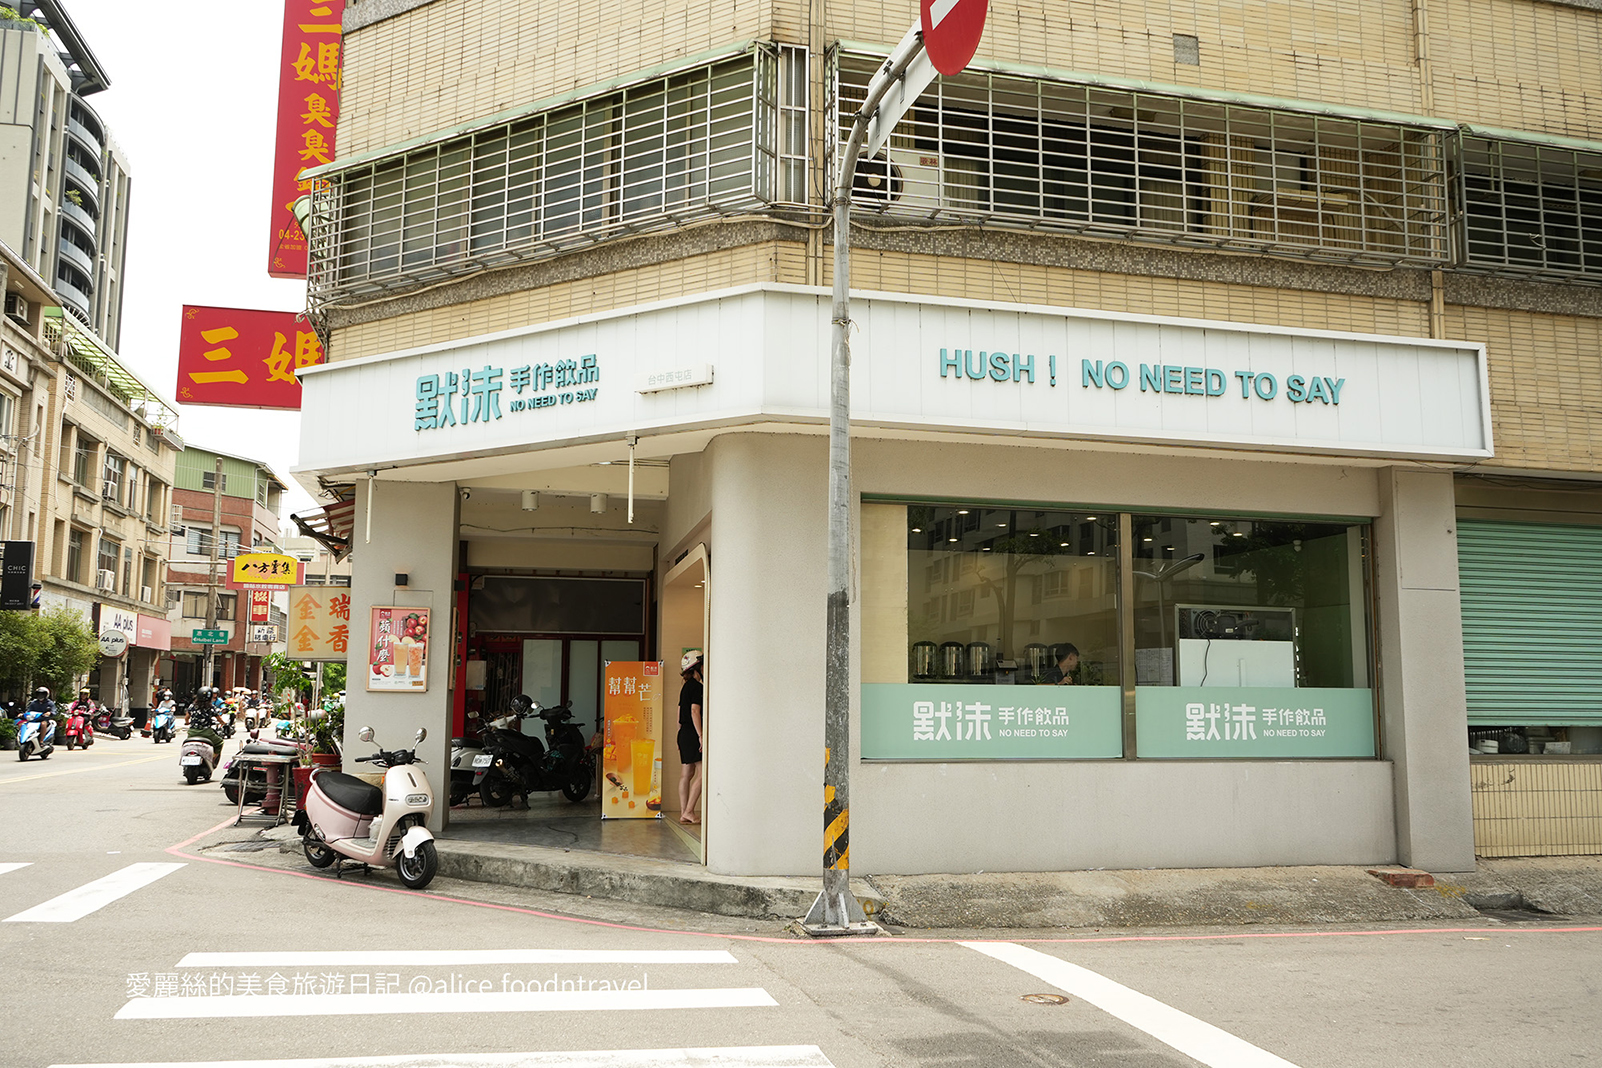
(319, 623)
(930, 721)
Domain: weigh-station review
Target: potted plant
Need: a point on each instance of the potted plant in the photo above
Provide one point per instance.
(8, 733)
(326, 732)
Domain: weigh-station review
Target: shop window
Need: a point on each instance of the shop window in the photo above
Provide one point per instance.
(1251, 638)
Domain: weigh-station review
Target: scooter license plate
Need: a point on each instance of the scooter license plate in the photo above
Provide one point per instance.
(483, 760)
(189, 760)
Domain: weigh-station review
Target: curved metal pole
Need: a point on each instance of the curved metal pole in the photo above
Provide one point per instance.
(836, 910)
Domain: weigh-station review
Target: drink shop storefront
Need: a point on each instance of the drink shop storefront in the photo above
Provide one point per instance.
(1130, 591)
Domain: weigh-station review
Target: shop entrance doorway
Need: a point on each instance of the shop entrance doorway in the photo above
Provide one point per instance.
(685, 604)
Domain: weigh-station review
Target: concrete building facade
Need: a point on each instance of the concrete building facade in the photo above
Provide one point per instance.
(1193, 344)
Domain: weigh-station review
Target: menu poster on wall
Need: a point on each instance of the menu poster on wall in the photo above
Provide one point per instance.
(397, 650)
(631, 762)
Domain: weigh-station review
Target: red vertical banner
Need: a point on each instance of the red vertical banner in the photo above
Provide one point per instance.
(261, 603)
(308, 114)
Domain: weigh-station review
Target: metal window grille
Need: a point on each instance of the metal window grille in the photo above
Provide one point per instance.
(1528, 208)
(1003, 150)
(651, 156)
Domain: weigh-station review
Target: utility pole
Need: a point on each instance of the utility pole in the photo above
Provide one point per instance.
(211, 583)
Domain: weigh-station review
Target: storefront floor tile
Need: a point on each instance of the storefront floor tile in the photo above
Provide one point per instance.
(553, 822)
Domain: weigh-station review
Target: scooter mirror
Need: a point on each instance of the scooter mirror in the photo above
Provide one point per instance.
(366, 734)
(422, 732)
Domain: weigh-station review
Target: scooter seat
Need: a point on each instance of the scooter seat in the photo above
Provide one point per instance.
(351, 793)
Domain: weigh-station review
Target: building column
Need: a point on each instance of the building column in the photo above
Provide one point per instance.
(414, 532)
(141, 677)
(763, 800)
(1424, 706)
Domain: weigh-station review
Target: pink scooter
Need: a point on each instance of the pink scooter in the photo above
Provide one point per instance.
(344, 817)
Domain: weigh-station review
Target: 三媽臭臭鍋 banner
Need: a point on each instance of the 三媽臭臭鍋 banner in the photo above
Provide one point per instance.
(944, 722)
(631, 759)
(397, 650)
(1206, 723)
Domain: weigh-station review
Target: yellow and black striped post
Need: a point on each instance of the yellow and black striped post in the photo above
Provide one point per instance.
(836, 826)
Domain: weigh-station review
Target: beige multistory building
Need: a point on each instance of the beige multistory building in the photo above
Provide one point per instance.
(89, 450)
(1237, 366)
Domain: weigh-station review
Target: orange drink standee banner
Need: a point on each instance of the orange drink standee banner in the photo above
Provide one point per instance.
(631, 761)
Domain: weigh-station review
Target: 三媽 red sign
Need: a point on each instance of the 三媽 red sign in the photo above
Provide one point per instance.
(233, 358)
(308, 113)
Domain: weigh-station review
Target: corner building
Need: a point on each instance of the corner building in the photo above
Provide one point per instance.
(1240, 366)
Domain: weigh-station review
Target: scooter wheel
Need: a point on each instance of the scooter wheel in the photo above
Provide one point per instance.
(22, 754)
(495, 791)
(418, 870)
(318, 855)
(192, 774)
(69, 743)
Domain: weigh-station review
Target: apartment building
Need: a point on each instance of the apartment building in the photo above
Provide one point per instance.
(251, 503)
(89, 453)
(1236, 365)
(64, 183)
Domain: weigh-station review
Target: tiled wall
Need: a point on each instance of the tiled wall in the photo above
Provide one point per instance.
(456, 60)
(1546, 385)
(693, 274)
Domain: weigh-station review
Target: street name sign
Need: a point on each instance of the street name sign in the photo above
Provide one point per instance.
(209, 637)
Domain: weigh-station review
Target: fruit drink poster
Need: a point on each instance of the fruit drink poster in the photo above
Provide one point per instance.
(631, 760)
(397, 651)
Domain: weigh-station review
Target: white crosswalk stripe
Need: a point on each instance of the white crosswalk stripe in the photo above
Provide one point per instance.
(14, 865)
(234, 1006)
(91, 897)
(708, 1057)
(424, 958)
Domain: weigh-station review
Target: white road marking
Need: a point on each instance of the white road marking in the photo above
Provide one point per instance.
(440, 957)
(241, 1005)
(91, 897)
(1200, 1041)
(715, 1057)
(14, 865)
(939, 10)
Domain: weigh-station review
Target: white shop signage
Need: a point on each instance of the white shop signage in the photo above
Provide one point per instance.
(919, 363)
(116, 619)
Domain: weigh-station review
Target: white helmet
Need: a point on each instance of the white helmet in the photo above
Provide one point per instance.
(692, 660)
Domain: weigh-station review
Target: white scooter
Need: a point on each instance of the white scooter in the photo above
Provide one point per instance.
(342, 816)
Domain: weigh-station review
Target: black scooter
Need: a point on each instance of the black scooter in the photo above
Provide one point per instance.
(514, 763)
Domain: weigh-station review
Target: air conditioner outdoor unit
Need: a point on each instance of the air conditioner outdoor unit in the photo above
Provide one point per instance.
(177, 517)
(105, 580)
(110, 490)
(147, 594)
(915, 178)
(17, 308)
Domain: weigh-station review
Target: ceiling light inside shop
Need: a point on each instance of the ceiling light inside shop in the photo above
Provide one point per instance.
(1240, 533)
(917, 530)
(952, 540)
(962, 511)
(1145, 539)
(1063, 544)
(1090, 519)
(985, 549)
(1214, 523)
(1003, 526)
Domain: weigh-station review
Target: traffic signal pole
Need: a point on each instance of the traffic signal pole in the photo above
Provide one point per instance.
(836, 911)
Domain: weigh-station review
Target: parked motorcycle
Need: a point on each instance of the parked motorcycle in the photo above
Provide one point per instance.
(513, 763)
(120, 727)
(80, 728)
(342, 816)
(464, 778)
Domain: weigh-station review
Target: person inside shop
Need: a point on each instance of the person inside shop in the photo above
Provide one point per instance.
(690, 734)
(1066, 671)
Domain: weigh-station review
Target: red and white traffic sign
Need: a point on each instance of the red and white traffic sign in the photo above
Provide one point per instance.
(951, 31)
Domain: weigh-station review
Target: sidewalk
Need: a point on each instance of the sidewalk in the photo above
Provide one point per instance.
(1511, 889)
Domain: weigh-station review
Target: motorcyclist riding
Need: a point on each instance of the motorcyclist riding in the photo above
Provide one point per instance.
(41, 708)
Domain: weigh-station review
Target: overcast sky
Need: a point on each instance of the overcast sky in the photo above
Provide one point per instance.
(192, 103)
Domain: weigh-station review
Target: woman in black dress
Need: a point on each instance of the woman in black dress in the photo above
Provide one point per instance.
(690, 706)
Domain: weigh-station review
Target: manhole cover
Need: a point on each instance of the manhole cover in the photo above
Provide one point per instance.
(1045, 999)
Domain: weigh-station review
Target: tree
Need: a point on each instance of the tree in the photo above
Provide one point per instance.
(21, 641)
(333, 678)
(68, 650)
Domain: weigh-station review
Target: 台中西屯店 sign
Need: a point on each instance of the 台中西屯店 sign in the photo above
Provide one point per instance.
(319, 623)
(930, 721)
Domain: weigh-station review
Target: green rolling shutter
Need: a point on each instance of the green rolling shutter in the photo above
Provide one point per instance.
(1532, 622)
